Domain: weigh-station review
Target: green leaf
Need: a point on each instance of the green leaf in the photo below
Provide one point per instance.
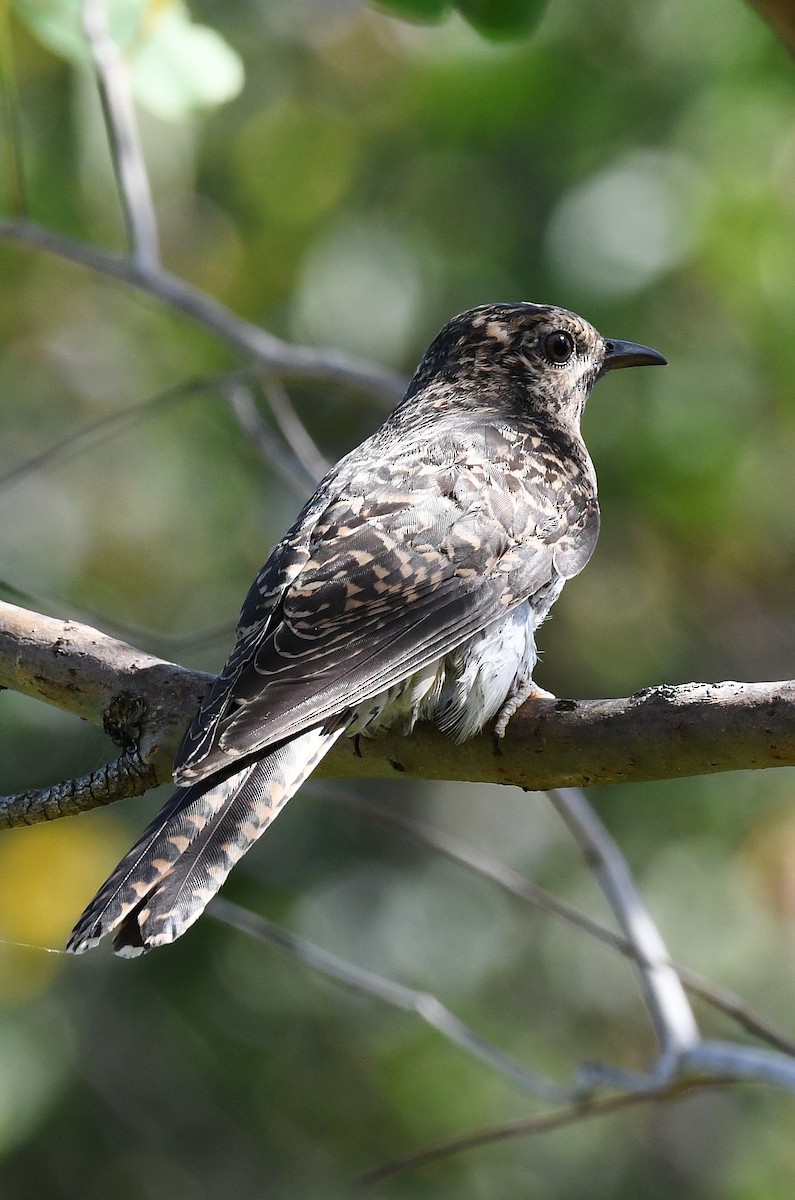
(58, 24)
(177, 67)
(416, 10)
(500, 20)
(184, 68)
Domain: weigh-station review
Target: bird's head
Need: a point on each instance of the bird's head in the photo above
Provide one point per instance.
(548, 357)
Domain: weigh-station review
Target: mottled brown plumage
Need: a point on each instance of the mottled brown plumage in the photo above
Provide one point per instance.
(409, 588)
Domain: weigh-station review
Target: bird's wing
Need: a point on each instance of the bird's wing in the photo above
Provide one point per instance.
(360, 596)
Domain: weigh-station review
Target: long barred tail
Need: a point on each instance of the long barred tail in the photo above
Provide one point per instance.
(181, 860)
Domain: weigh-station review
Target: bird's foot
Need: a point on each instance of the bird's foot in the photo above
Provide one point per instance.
(525, 694)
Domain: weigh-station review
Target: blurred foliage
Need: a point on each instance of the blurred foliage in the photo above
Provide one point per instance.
(372, 178)
(495, 19)
(177, 67)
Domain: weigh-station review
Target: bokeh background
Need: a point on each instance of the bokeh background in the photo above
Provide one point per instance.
(369, 178)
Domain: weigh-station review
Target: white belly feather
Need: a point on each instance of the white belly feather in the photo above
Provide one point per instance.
(466, 688)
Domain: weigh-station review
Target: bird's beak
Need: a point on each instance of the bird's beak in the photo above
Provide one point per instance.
(630, 354)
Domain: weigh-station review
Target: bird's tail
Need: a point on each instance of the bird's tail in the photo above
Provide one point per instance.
(181, 860)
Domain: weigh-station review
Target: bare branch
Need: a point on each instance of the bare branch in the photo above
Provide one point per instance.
(732, 1006)
(257, 431)
(514, 884)
(106, 427)
(731, 1061)
(524, 1127)
(666, 1001)
(477, 861)
(129, 775)
(142, 702)
(660, 733)
(706, 1066)
(294, 431)
(113, 78)
(367, 983)
(282, 358)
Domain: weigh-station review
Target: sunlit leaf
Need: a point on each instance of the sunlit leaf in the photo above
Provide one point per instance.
(178, 67)
(58, 24)
(185, 68)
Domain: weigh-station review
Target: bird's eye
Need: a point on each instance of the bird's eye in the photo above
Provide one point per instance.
(559, 346)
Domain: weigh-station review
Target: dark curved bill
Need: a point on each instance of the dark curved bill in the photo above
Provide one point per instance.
(630, 354)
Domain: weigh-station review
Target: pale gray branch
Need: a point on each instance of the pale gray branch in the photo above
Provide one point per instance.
(113, 79)
(515, 884)
(282, 358)
(368, 983)
(257, 431)
(708, 1059)
(295, 432)
(665, 997)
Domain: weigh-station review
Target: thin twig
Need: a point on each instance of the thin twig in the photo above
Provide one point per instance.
(477, 861)
(132, 180)
(108, 426)
(514, 884)
(732, 1006)
(727, 1065)
(526, 1126)
(667, 1003)
(257, 431)
(295, 432)
(282, 358)
(368, 983)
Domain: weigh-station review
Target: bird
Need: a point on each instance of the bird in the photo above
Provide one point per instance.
(409, 588)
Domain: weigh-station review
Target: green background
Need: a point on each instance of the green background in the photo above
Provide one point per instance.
(634, 162)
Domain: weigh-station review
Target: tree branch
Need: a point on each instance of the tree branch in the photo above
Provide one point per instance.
(291, 469)
(517, 885)
(128, 162)
(707, 1066)
(660, 733)
(521, 1128)
(283, 358)
(295, 433)
(664, 994)
(142, 702)
(106, 427)
(368, 983)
